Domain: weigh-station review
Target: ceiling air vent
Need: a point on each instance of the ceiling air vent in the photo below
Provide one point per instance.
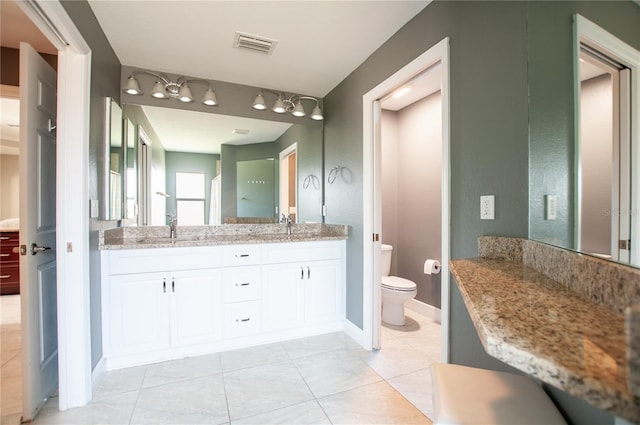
(255, 43)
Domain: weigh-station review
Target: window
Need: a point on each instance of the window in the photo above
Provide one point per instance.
(190, 198)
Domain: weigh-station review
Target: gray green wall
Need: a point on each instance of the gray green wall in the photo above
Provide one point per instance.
(551, 112)
(489, 137)
(229, 155)
(105, 82)
(309, 140)
(488, 99)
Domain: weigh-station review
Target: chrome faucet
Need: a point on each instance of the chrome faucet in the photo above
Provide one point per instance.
(173, 222)
(286, 219)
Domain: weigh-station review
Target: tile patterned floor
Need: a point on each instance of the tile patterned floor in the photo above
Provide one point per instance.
(327, 379)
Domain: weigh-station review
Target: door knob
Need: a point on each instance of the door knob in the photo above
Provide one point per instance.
(36, 249)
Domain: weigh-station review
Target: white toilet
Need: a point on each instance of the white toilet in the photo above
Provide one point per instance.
(395, 291)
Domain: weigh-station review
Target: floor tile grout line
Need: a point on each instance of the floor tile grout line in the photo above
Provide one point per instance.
(224, 388)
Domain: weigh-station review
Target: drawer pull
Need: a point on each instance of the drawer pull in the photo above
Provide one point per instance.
(243, 320)
(243, 284)
(308, 273)
(301, 273)
(5, 276)
(241, 255)
(164, 285)
(173, 285)
(4, 255)
(4, 238)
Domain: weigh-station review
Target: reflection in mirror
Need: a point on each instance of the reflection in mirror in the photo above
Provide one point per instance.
(605, 144)
(600, 160)
(584, 141)
(255, 188)
(289, 182)
(114, 162)
(183, 141)
(131, 204)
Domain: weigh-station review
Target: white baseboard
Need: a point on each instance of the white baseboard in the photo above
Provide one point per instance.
(354, 332)
(97, 373)
(424, 309)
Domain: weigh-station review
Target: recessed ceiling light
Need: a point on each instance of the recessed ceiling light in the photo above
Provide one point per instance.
(402, 91)
(240, 131)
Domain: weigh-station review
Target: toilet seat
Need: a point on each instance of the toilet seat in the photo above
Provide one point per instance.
(395, 283)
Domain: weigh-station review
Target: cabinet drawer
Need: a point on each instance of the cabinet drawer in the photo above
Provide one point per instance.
(9, 238)
(241, 255)
(7, 255)
(242, 319)
(242, 284)
(302, 251)
(9, 274)
(163, 259)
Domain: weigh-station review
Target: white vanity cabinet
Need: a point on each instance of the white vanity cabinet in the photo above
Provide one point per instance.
(303, 285)
(155, 311)
(160, 299)
(165, 303)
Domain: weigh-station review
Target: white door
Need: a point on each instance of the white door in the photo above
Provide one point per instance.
(283, 296)
(322, 292)
(140, 309)
(38, 230)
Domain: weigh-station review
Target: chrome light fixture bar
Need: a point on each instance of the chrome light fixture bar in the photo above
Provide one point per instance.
(165, 88)
(288, 103)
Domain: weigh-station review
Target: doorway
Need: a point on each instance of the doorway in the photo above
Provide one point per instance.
(289, 182)
(72, 202)
(607, 84)
(372, 221)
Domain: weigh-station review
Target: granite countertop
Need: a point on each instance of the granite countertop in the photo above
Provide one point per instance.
(191, 236)
(532, 323)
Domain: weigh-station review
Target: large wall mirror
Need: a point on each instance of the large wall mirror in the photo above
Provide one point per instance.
(114, 164)
(584, 175)
(209, 168)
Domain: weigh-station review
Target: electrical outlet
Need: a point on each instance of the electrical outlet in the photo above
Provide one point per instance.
(550, 207)
(487, 207)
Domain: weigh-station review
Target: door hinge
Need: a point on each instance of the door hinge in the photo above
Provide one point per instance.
(376, 237)
(624, 244)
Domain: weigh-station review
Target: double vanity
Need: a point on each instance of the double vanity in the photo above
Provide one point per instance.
(216, 288)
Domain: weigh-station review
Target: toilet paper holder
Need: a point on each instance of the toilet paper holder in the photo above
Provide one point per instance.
(432, 266)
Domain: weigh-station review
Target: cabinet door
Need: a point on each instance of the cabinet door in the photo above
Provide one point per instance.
(283, 296)
(323, 292)
(196, 307)
(139, 311)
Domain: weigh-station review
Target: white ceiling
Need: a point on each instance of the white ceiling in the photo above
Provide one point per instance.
(319, 43)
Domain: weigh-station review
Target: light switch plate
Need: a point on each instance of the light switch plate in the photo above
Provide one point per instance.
(550, 207)
(487, 207)
(95, 208)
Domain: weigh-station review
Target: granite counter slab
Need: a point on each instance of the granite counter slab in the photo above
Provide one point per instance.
(533, 324)
(191, 236)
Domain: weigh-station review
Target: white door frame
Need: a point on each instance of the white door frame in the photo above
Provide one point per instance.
(72, 199)
(371, 249)
(283, 200)
(593, 35)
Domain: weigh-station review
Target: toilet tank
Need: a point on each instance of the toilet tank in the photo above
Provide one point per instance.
(385, 258)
